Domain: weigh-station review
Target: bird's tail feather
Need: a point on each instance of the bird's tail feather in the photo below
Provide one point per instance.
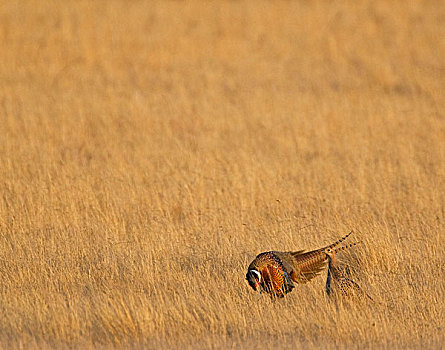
(333, 245)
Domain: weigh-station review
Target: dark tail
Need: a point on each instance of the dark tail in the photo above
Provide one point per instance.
(333, 245)
(331, 251)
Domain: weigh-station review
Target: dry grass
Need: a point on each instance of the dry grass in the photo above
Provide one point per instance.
(148, 151)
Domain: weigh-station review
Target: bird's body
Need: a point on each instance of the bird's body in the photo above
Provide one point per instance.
(276, 273)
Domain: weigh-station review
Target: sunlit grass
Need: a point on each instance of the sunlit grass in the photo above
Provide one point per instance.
(148, 152)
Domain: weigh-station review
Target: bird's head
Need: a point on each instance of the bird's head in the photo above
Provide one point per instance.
(254, 278)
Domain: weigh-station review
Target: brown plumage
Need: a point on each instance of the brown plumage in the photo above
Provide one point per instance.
(276, 273)
(337, 284)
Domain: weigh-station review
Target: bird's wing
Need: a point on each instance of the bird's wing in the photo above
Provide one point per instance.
(303, 266)
(307, 265)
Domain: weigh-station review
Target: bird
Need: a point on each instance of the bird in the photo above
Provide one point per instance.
(276, 273)
(337, 282)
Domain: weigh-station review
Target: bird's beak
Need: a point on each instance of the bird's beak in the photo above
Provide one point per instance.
(253, 282)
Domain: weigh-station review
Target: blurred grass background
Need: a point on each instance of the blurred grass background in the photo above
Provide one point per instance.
(149, 150)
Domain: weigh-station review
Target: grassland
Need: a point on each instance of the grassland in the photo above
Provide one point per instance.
(149, 150)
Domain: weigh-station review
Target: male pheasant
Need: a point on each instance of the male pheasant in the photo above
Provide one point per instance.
(276, 273)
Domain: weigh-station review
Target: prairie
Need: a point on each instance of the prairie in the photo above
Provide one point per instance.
(149, 151)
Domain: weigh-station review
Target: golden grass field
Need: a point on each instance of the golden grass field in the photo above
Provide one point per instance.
(149, 151)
